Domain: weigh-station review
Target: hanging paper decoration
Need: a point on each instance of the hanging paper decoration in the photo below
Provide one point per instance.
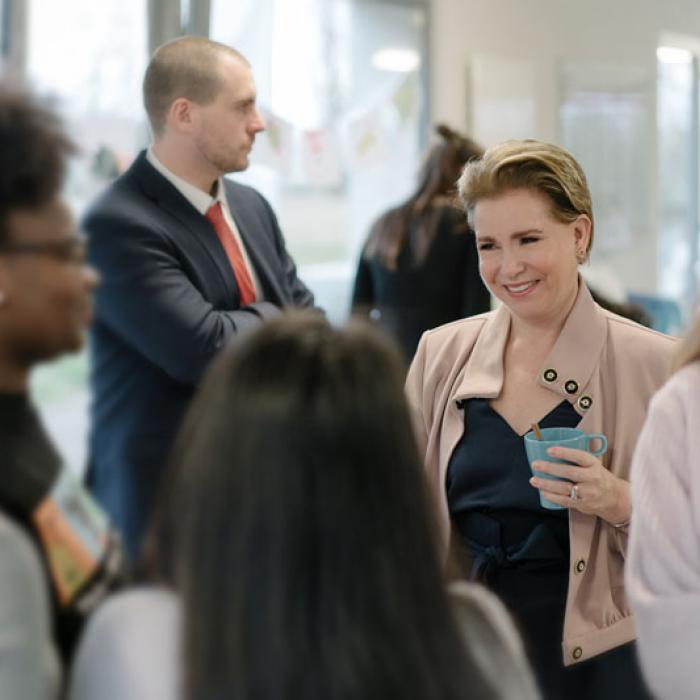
(321, 159)
(365, 140)
(406, 99)
(274, 146)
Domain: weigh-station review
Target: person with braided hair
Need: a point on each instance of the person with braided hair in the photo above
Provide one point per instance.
(419, 266)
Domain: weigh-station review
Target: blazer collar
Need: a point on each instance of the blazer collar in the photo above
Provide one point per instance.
(568, 367)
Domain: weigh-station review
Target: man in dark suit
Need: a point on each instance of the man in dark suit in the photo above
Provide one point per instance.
(189, 262)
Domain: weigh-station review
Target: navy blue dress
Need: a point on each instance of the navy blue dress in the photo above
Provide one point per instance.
(520, 550)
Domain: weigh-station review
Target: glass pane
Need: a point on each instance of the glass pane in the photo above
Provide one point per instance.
(603, 130)
(90, 56)
(677, 163)
(341, 88)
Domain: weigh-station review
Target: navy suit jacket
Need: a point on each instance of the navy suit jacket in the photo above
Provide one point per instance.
(167, 302)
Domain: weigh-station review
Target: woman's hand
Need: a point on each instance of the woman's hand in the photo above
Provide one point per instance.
(598, 492)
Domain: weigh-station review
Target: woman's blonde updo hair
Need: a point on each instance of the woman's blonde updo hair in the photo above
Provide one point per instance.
(532, 165)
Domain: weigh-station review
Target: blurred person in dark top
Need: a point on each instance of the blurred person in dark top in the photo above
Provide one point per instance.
(45, 290)
(419, 266)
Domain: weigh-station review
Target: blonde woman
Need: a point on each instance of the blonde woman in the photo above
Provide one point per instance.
(663, 577)
(549, 354)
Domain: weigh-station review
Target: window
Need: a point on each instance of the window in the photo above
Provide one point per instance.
(90, 56)
(677, 121)
(342, 86)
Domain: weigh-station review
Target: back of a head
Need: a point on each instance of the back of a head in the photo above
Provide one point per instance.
(534, 165)
(437, 185)
(444, 162)
(307, 555)
(33, 153)
(184, 67)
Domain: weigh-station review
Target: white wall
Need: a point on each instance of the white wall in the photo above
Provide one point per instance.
(513, 51)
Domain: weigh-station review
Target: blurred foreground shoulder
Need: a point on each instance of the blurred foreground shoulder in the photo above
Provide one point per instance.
(130, 649)
(492, 640)
(663, 565)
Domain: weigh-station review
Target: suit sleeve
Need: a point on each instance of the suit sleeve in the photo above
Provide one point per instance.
(147, 300)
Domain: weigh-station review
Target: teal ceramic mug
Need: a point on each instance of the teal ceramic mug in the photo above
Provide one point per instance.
(560, 437)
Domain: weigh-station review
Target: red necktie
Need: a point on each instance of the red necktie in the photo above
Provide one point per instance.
(233, 251)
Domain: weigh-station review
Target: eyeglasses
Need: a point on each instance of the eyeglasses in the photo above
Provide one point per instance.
(66, 250)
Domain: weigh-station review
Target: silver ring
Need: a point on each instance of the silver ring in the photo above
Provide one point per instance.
(574, 493)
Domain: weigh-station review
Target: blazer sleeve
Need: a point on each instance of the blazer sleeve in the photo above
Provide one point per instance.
(146, 299)
(415, 396)
(663, 564)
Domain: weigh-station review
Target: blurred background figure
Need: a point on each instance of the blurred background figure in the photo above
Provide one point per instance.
(45, 306)
(419, 267)
(663, 570)
(304, 558)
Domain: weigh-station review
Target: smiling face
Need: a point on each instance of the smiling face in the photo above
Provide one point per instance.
(46, 286)
(224, 129)
(527, 258)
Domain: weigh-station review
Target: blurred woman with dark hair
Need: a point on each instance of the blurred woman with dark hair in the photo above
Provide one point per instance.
(306, 559)
(419, 267)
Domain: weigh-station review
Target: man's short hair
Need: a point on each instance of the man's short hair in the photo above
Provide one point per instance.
(34, 148)
(185, 67)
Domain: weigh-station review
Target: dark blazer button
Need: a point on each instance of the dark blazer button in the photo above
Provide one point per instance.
(577, 653)
(585, 402)
(571, 386)
(550, 375)
(580, 566)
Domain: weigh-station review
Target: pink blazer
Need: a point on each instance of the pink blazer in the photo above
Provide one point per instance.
(608, 368)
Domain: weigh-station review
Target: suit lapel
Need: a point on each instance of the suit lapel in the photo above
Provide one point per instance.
(168, 198)
(249, 228)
